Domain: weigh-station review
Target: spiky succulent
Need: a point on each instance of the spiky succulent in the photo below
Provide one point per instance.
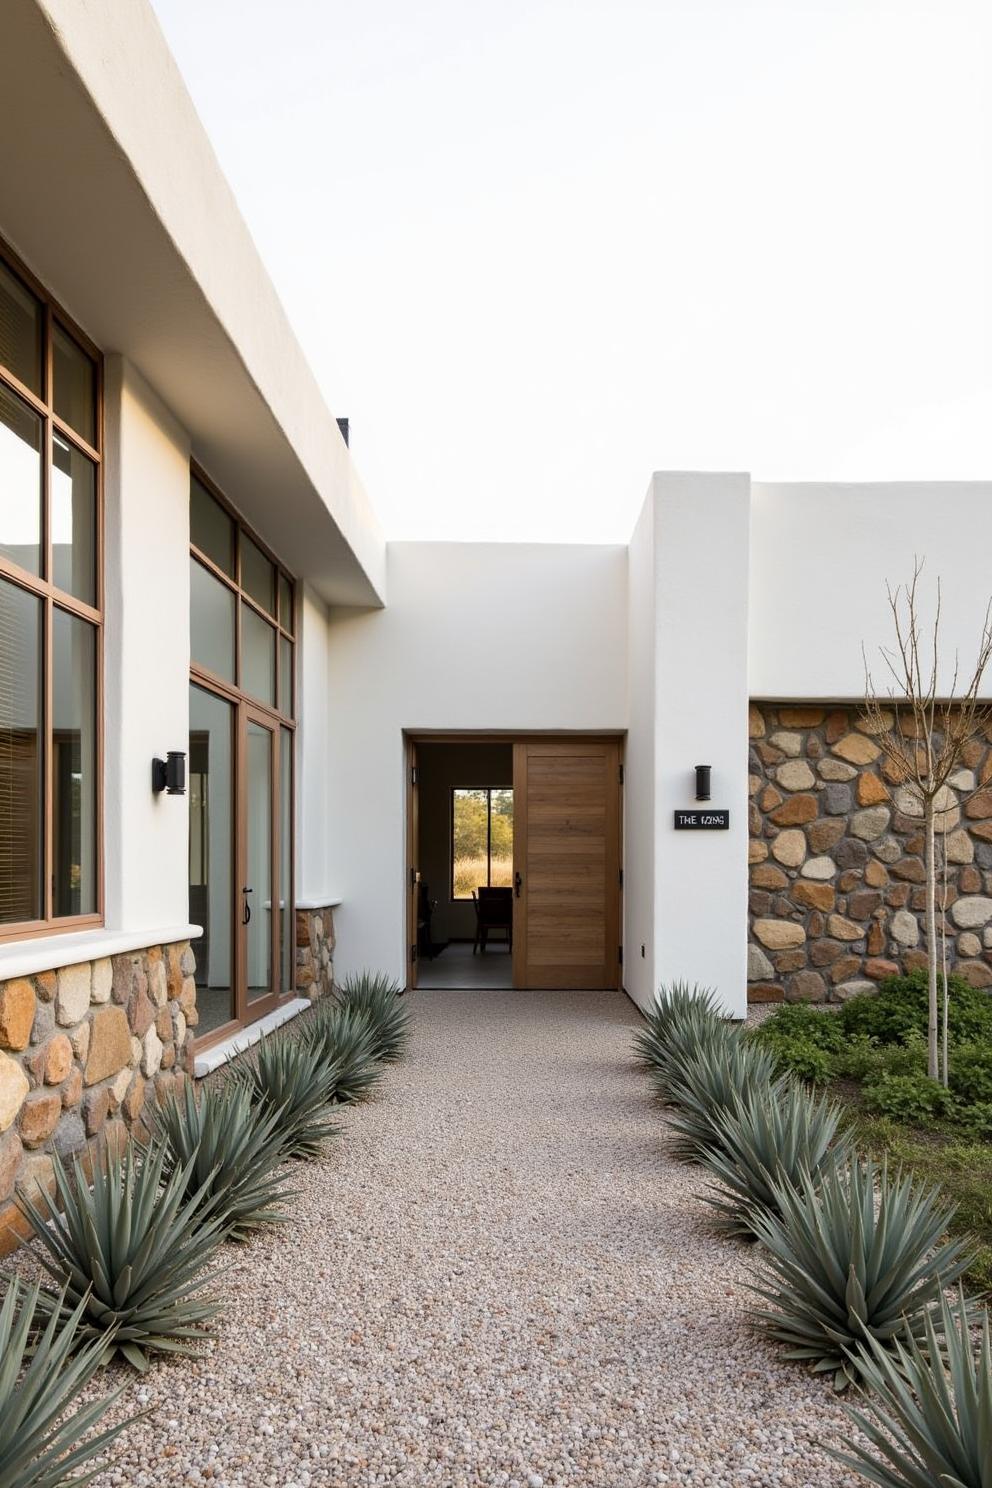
(767, 1137)
(379, 997)
(292, 1080)
(40, 1445)
(229, 1149)
(928, 1413)
(687, 1036)
(129, 1252)
(344, 1037)
(671, 1004)
(854, 1255)
(710, 1082)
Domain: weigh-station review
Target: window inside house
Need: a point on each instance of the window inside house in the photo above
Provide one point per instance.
(481, 839)
(50, 614)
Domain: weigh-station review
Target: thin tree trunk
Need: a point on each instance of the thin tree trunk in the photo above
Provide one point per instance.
(945, 1000)
(931, 867)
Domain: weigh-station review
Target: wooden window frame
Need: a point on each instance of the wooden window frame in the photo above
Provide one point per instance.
(52, 597)
(246, 705)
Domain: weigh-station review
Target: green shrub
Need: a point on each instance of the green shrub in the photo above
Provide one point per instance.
(292, 1080)
(975, 1119)
(129, 1253)
(768, 1137)
(804, 1042)
(915, 1099)
(970, 1073)
(671, 1004)
(899, 1009)
(929, 1411)
(344, 1038)
(40, 1445)
(853, 1256)
(866, 1061)
(387, 1011)
(227, 1148)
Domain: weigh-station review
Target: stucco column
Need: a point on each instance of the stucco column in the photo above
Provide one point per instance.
(701, 556)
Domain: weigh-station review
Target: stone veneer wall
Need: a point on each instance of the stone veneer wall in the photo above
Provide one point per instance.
(836, 852)
(82, 1050)
(314, 952)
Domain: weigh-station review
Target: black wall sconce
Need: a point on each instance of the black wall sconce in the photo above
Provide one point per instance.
(169, 775)
(703, 782)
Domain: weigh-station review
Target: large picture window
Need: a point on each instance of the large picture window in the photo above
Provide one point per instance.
(51, 614)
(241, 748)
(481, 839)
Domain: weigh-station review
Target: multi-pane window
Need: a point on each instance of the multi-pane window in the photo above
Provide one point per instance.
(50, 614)
(481, 839)
(241, 606)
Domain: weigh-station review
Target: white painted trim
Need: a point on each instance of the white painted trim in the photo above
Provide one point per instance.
(329, 901)
(49, 952)
(245, 1038)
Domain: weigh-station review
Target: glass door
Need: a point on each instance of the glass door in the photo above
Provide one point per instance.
(261, 919)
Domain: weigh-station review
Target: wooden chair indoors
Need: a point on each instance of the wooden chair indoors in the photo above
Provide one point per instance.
(493, 911)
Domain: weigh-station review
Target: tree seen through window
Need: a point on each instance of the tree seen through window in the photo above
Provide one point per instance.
(481, 839)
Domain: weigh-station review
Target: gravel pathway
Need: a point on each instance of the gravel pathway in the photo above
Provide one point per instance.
(497, 1276)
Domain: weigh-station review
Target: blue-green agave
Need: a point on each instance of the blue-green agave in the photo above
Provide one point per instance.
(928, 1411)
(853, 1255)
(129, 1252)
(42, 1369)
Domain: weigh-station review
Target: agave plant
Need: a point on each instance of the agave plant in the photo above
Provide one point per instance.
(671, 1005)
(389, 1017)
(343, 1035)
(854, 1256)
(40, 1446)
(291, 1080)
(229, 1150)
(929, 1413)
(129, 1253)
(692, 1033)
(709, 1084)
(768, 1137)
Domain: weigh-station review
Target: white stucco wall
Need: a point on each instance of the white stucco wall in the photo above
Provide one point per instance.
(701, 676)
(820, 558)
(515, 637)
(146, 653)
(315, 711)
(639, 789)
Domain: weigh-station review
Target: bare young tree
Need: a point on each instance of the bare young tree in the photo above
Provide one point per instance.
(924, 738)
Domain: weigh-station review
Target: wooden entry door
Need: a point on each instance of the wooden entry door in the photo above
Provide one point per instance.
(566, 862)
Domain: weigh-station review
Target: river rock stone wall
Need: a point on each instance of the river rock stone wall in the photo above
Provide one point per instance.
(837, 896)
(314, 952)
(82, 1052)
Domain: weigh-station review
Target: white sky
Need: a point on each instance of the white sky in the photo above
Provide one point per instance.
(537, 250)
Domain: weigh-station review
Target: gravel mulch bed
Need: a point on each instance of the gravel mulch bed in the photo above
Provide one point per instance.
(496, 1276)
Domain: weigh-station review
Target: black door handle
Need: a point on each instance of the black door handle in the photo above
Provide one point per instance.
(518, 884)
(246, 917)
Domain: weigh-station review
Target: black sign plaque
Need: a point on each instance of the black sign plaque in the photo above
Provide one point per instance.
(702, 819)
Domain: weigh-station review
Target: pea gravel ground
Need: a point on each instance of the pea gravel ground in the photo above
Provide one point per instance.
(496, 1276)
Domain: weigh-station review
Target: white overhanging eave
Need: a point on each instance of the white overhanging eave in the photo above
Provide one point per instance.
(121, 209)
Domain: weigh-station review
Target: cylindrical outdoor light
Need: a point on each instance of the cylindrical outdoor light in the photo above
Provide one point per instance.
(703, 782)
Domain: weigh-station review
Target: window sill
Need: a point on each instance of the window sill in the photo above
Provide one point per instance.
(50, 952)
(208, 1060)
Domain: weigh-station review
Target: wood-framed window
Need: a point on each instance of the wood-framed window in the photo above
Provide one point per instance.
(481, 839)
(241, 754)
(51, 614)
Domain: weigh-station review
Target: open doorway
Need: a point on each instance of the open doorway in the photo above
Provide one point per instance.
(514, 854)
(465, 862)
